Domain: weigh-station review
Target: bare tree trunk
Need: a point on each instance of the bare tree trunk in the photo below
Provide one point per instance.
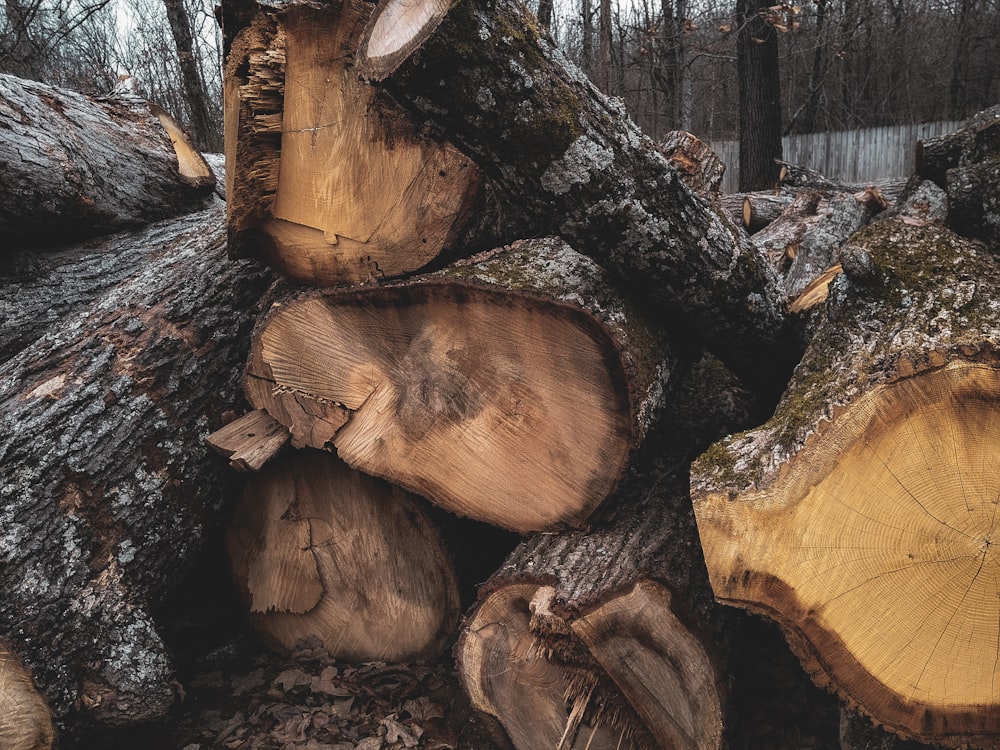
(604, 66)
(195, 95)
(760, 97)
(545, 8)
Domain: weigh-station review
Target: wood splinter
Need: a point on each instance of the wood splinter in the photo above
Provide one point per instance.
(250, 441)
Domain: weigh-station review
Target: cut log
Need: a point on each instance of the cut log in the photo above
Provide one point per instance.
(797, 176)
(803, 242)
(326, 553)
(863, 516)
(107, 489)
(74, 167)
(570, 156)
(609, 638)
(695, 161)
(511, 388)
(25, 718)
(756, 210)
(921, 200)
(332, 181)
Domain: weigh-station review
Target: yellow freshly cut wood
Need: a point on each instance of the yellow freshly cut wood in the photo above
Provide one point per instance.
(336, 183)
(884, 532)
(865, 516)
(322, 551)
(511, 389)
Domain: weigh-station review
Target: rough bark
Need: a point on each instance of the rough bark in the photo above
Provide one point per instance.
(511, 388)
(756, 210)
(796, 176)
(973, 186)
(332, 181)
(922, 200)
(107, 489)
(74, 167)
(572, 157)
(935, 156)
(610, 635)
(324, 553)
(862, 516)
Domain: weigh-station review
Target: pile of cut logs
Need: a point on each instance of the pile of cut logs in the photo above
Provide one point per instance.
(500, 298)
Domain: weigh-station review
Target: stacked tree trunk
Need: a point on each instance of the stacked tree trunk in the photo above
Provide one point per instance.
(517, 386)
(496, 299)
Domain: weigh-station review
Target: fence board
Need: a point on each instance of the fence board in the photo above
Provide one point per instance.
(849, 155)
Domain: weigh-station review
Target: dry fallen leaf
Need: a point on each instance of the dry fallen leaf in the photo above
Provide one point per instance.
(292, 678)
(246, 683)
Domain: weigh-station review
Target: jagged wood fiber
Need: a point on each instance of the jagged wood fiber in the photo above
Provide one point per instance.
(106, 487)
(862, 517)
(75, 166)
(333, 181)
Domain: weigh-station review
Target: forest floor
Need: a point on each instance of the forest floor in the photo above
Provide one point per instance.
(235, 695)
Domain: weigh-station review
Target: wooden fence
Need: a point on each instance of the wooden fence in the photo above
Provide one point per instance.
(849, 155)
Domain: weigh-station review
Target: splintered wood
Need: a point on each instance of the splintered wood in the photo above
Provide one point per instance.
(321, 551)
(337, 184)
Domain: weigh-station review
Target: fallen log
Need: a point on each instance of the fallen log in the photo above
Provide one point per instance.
(332, 182)
(511, 388)
(608, 638)
(75, 166)
(862, 516)
(106, 487)
(922, 200)
(326, 554)
(973, 186)
(568, 155)
(756, 210)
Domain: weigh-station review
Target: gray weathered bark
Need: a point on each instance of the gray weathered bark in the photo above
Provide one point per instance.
(72, 167)
(106, 487)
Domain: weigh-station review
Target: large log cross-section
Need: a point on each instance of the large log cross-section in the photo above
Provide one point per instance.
(863, 516)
